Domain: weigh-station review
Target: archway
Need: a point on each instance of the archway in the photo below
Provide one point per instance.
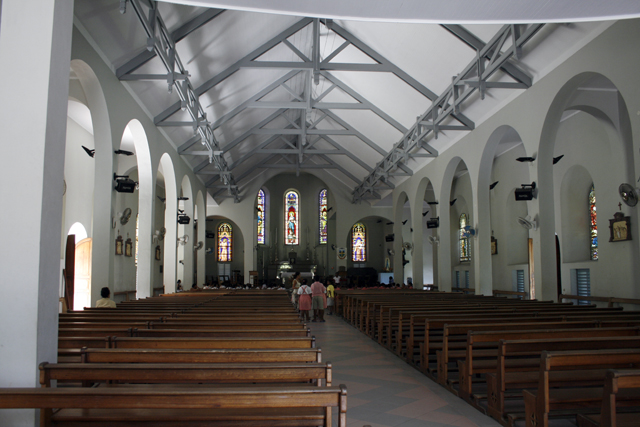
(370, 254)
(186, 235)
(85, 86)
(168, 245)
(426, 241)
(217, 270)
(461, 215)
(589, 126)
(401, 208)
(200, 217)
(502, 243)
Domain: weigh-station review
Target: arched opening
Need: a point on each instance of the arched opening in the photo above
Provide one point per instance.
(186, 235)
(426, 238)
(170, 227)
(200, 216)
(585, 140)
(461, 210)
(369, 257)
(224, 251)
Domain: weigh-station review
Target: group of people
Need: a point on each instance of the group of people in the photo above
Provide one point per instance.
(316, 297)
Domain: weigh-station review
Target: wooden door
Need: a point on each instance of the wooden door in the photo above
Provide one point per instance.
(82, 280)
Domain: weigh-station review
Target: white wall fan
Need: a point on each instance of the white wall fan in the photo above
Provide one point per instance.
(628, 194)
(391, 252)
(158, 236)
(198, 246)
(433, 240)
(126, 215)
(183, 240)
(408, 246)
(528, 223)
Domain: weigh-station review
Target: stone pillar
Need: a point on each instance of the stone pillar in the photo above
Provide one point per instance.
(37, 46)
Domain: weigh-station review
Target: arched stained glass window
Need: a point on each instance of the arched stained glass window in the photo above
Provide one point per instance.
(291, 218)
(593, 224)
(322, 207)
(464, 239)
(359, 243)
(261, 217)
(225, 242)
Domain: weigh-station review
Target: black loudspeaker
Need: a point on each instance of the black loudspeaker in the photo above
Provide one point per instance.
(527, 192)
(183, 219)
(433, 223)
(124, 184)
(389, 238)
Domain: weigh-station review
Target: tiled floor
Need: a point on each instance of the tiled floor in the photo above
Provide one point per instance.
(382, 389)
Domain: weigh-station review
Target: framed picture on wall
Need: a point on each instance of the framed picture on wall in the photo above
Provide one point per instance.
(128, 247)
(119, 245)
(619, 228)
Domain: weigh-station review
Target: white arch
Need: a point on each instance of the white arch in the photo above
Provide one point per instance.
(201, 215)
(79, 230)
(145, 205)
(170, 214)
(185, 252)
(102, 256)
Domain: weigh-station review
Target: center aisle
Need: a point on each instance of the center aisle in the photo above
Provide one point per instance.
(383, 391)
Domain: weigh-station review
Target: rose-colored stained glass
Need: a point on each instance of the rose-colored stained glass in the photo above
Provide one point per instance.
(359, 243)
(225, 242)
(322, 201)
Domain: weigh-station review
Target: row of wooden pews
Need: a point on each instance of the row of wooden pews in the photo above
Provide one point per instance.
(531, 363)
(212, 358)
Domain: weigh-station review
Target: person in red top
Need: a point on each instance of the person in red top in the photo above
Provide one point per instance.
(317, 302)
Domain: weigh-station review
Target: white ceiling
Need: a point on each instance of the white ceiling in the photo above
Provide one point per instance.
(428, 53)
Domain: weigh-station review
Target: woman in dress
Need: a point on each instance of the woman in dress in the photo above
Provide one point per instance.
(295, 285)
(304, 293)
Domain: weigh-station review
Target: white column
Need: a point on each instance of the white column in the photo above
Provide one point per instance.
(37, 46)
(481, 253)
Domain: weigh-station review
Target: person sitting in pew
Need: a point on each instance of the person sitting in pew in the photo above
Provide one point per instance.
(105, 301)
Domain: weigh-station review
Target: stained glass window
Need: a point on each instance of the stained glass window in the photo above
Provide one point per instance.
(322, 202)
(359, 243)
(291, 218)
(464, 240)
(261, 217)
(225, 240)
(593, 224)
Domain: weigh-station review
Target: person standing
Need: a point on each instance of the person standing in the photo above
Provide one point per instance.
(295, 285)
(304, 295)
(318, 292)
(105, 301)
(330, 298)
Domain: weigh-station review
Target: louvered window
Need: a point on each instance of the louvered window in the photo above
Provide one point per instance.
(583, 280)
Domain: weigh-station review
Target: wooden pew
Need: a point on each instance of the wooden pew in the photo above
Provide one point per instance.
(179, 406)
(518, 356)
(615, 381)
(572, 381)
(476, 337)
(118, 355)
(168, 373)
(212, 343)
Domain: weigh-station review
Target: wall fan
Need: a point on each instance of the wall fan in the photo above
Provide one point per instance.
(198, 246)
(408, 246)
(433, 239)
(159, 235)
(183, 240)
(528, 223)
(209, 251)
(469, 231)
(628, 194)
(126, 215)
(391, 252)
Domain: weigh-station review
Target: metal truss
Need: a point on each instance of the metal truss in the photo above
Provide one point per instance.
(163, 44)
(300, 136)
(447, 107)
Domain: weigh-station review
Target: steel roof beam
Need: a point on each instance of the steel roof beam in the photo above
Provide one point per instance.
(256, 53)
(177, 35)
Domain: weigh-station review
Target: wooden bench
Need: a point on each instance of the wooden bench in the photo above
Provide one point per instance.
(518, 356)
(168, 373)
(242, 406)
(572, 381)
(124, 355)
(615, 381)
(211, 343)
